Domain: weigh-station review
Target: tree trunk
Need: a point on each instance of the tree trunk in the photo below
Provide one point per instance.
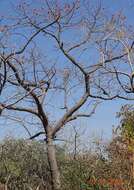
(55, 174)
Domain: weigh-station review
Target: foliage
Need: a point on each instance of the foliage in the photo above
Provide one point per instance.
(127, 121)
(24, 162)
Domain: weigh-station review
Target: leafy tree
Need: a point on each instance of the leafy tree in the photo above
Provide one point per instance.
(127, 133)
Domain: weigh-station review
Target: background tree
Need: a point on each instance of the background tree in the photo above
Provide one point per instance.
(59, 59)
(127, 135)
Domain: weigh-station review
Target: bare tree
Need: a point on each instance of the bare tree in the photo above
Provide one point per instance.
(60, 59)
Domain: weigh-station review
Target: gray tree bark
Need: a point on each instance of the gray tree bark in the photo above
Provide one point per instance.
(55, 174)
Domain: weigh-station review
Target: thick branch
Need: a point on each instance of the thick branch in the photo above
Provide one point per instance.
(31, 38)
(41, 113)
(111, 97)
(21, 109)
(37, 134)
(120, 56)
(69, 57)
(2, 82)
(73, 117)
(69, 113)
